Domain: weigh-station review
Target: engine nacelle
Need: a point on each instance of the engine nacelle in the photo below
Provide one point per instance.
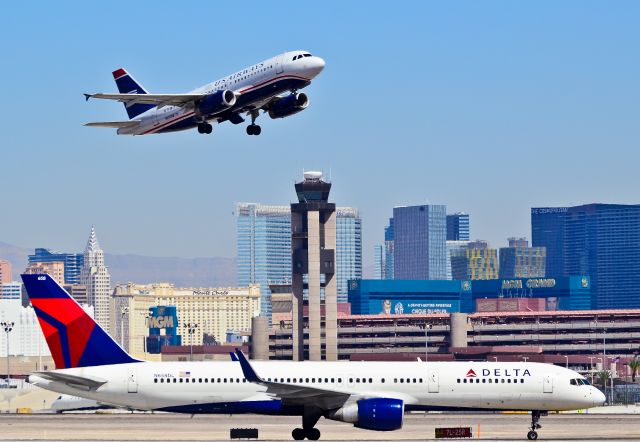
(289, 105)
(379, 414)
(215, 103)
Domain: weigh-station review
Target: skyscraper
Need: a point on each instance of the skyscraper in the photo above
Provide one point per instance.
(521, 261)
(458, 227)
(5, 272)
(548, 231)
(603, 242)
(72, 262)
(379, 266)
(263, 238)
(420, 242)
(388, 251)
(95, 276)
(477, 262)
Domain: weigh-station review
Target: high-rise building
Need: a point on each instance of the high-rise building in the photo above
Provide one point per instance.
(548, 231)
(263, 238)
(420, 242)
(348, 249)
(313, 251)
(603, 242)
(72, 262)
(477, 261)
(388, 251)
(521, 261)
(53, 268)
(5, 272)
(458, 227)
(379, 266)
(10, 306)
(455, 248)
(95, 276)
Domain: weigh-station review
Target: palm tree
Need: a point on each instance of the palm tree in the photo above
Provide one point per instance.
(634, 365)
(603, 376)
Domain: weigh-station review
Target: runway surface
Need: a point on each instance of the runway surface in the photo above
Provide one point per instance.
(173, 427)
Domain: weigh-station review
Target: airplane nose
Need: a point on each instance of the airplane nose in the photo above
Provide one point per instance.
(598, 397)
(316, 65)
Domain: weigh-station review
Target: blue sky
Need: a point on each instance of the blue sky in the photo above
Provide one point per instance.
(488, 107)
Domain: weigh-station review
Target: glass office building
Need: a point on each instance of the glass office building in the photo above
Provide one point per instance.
(388, 251)
(603, 241)
(73, 263)
(548, 231)
(458, 227)
(420, 242)
(263, 239)
(521, 261)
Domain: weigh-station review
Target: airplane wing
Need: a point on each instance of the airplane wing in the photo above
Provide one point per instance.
(295, 394)
(115, 124)
(155, 99)
(83, 382)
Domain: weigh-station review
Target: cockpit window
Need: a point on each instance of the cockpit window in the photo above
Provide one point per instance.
(307, 55)
(573, 382)
(579, 381)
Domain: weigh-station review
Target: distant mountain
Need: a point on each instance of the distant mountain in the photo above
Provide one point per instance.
(182, 272)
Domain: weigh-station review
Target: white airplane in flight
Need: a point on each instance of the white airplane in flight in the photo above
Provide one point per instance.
(369, 395)
(258, 87)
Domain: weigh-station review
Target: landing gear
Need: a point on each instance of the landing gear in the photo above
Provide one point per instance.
(253, 128)
(535, 418)
(309, 420)
(204, 128)
(301, 434)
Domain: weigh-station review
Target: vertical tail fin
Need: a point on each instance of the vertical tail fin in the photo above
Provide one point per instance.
(128, 85)
(74, 338)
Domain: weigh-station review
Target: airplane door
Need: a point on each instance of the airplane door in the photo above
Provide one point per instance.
(279, 67)
(433, 382)
(547, 384)
(132, 382)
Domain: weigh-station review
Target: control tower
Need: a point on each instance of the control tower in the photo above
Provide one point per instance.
(313, 245)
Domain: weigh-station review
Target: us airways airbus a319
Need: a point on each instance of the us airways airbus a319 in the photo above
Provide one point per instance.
(369, 395)
(270, 86)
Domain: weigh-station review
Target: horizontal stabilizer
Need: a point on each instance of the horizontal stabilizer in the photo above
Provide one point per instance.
(114, 124)
(85, 382)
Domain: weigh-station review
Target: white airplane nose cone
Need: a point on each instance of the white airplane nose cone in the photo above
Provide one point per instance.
(316, 65)
(598, 397)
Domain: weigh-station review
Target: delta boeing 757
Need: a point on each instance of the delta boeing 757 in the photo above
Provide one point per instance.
(369, 395)
(257, 88)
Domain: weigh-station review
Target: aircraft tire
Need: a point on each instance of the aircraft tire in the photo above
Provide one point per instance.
(200, 128)
(208, 128)
(250, 129)
(297, 433)
(313, 434)
(257, 130)
(532, 435)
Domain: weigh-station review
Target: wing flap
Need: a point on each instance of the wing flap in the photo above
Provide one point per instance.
(155, 99)
(113, 124)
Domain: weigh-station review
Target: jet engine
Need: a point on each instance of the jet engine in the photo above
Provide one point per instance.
(215, 103)
(289, 105)
(380, 414)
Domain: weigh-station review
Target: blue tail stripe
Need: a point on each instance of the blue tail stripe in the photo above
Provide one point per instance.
(127, 85)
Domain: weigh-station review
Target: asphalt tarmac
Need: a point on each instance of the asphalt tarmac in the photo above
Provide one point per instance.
(174, 427)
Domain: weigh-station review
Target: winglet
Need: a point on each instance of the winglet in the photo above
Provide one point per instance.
(87, 96)
(234, 358)
(247, 369)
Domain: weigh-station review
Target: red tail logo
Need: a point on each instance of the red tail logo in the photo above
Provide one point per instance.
(471, 374)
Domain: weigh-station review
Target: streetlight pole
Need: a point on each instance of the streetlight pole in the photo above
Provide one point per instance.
(426, 341)
(8, 326)
(566, 361)
(525, 358)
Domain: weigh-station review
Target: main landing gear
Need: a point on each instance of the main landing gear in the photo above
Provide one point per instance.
(204, 128)
(309, 420)
(253, 128)
(535, 417)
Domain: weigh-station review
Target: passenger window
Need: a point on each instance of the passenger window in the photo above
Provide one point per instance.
(522, 381)
(162, 380)
(155, 381)
(484, 381)
(313, 380)
(477, 381)
(402, 380)
(357, 380)
(326, 380)
(464, 381)
(382, 380)
(370, 380)
(300, 380)
(458, 381)
(288, 380)
(175, 380)
(340, 380)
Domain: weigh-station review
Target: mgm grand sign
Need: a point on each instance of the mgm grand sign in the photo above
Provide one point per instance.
(533, 283)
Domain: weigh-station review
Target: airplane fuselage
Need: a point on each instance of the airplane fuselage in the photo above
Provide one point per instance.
(220, 387)
(253, 87)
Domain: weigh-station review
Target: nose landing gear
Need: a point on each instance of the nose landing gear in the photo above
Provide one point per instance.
(535, 425)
